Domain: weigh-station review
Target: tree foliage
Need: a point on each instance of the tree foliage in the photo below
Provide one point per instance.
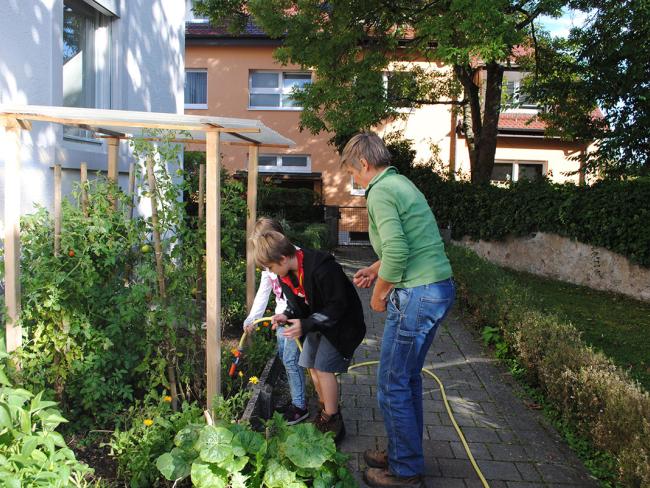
(350, 44)
(602, 64)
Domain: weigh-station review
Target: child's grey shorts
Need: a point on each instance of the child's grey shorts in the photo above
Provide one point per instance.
(319, 353)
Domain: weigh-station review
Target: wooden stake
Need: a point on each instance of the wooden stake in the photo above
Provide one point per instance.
(12, 234)
(113, 149)
(84, 190)
(57, 209)
(251, 202)
(131, 190)
(156, 231)
(213, 271)
(199, 279)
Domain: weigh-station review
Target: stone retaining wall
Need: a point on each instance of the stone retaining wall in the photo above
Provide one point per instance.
(563, 259)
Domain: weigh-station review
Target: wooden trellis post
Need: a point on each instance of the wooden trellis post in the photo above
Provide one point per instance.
(251, 206)
(131, 191)
(199, 279)
(113, 149)
(13, 334)
(213, 265)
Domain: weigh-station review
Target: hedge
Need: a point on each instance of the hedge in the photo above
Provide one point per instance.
(600, 399)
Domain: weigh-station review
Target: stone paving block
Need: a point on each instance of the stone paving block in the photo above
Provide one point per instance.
(507, 452)
(437, 450)
(557, 473)
(500, 470)
(462, 419)
(358, 444)
(355, 413)
(528, 471)
(442, 433)
(456, 468)
(523, 484)
(371, 428)
(509, 436)
(480, 434)
(438, 482)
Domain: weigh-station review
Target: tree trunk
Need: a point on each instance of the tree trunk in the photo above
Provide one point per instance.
(482, 130)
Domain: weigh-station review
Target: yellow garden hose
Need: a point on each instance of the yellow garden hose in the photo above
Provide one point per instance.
(425, 370)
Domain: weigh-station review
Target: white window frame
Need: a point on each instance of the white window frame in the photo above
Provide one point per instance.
(279, 168)
(189, 14)
(515, 167)
(402, 110)
(516, 91)
(195, 106)
(103, 73)
(357, 192)
(273, 91)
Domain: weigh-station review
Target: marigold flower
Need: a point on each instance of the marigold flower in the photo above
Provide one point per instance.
(148, 422)
(254, 380)
(167, 398)
(241, 375)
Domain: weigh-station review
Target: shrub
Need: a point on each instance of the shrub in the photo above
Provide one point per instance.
(602, 401)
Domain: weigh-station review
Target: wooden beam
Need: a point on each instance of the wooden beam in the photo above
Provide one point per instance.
(57, 209)
(24, 124)
(213, 266)
(251, 204)
(12, 234)
(113, 150)
(201, 203)
(203, 141)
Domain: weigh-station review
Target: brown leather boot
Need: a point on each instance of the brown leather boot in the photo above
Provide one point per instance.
(384, 478)
(375, 459)
(331, 423)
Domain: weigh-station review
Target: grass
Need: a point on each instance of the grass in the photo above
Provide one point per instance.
(614, 324)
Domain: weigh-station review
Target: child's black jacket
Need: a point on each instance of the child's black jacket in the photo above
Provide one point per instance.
(334, 308)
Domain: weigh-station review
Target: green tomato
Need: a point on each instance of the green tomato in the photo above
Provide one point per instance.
(145, 249)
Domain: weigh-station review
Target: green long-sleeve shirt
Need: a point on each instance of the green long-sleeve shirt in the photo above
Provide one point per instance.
(404, 233)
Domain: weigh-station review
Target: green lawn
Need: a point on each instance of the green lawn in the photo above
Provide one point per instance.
(614, 324)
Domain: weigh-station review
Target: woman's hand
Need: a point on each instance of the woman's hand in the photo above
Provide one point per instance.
(293, 331)
(364, 278)
(377, 303)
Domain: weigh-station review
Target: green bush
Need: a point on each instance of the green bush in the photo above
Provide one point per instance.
(230, 454)
(32, 453)
(611, 214)
(603, 403)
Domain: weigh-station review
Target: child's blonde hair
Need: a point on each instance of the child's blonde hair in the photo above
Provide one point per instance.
(270, 247)
(366, 145)
(265, 224)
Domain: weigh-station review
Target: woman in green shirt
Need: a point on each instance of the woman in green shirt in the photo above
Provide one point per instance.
(412, 282)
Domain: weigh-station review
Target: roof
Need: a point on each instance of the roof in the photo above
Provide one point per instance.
(521, 121)
(122, 123)
(194, 30)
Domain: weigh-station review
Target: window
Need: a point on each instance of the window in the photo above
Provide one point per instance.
(515, 98)
(505, 171)
(85, 49)
(273, 89)
(284, 163)
(196, 88)
(356, 189)
(190, 16)
(401, 88)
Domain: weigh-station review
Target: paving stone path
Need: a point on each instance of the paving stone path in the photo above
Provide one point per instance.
(514, 446)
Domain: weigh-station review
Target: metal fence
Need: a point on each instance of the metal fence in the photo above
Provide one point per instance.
(353, 226)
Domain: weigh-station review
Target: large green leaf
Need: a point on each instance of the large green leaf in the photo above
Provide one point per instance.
(277, 476)
(208, 476)
(187, 437)
(251, 442)
(308, 448)
(174, 465)
(215, 444)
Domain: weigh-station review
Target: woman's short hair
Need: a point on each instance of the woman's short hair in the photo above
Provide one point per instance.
(366, 145)
(270, 247)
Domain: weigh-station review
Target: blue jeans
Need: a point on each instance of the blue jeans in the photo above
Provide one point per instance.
(413, 317)
(289, 354)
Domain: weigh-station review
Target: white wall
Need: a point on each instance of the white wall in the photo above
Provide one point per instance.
(144, 63)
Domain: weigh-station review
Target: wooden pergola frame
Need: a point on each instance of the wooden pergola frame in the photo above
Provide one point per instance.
(117, 125)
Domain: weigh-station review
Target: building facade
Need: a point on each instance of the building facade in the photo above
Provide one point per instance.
(236, 75)
(110, 54)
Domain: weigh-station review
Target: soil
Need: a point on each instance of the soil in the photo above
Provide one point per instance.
(88, 449)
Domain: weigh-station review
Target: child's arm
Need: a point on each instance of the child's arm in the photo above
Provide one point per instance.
(260, 302)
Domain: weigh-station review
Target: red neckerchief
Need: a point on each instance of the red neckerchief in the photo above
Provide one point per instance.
(300, 289)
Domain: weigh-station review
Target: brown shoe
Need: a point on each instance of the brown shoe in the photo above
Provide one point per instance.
(375, 459)
(384, 478)
(331, 423)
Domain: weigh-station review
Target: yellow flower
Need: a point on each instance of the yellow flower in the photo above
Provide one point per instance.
(148, 422)
(167, 399)
(241, 375)
(254, 380)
